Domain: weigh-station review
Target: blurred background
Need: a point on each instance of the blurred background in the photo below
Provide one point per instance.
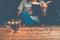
(9, 8)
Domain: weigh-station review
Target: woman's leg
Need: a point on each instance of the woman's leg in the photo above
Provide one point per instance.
(26, 19)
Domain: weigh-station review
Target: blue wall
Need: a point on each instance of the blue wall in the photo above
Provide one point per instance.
(8, 10)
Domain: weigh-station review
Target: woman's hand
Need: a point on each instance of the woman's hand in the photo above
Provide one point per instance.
(19, 11)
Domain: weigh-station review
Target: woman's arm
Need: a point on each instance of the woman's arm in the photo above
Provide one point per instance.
(20, 8)
(34, 2)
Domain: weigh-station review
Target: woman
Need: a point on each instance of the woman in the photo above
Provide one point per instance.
(25, 11)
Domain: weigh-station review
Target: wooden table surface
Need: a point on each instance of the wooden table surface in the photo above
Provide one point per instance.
(31, 33)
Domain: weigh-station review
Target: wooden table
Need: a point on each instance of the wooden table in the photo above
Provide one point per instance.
(25, 33)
